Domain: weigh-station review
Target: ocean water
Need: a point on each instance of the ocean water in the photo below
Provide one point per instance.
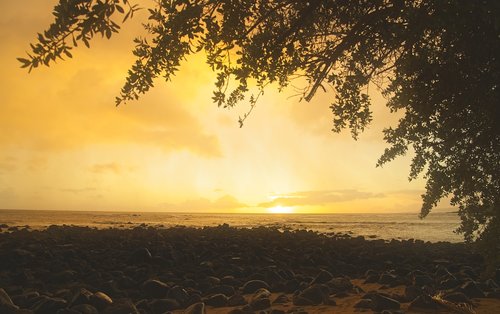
(436, 227)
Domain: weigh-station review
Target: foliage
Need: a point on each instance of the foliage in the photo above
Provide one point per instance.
(436, 61)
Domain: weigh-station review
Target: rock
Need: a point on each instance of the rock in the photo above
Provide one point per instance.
(154, 289)
(82, 296)
(423, 302)
(495, 294)
(9, 309)
(47, 305)
(230, 280)
(364, 304)
(387, 279)
(217, 300)
(6, 301)
(323, 277)
(471, 290)
(121, 306)
(392, 312)
(62, 311)
(26, 300)
(238, 311)
(412, 292)
(340, 285)
(299, 300)
(85, 309)
(422, 280)
(260, 294)
(236, 300)
(178, 293)
(254, 285)
(449, 283)
(260, 304)
(291, 285)
(381, 303)
(63, 277)
(490, 284)
(469, 272)
(372, 278)
(281, 299)
(316, 294)
(159, 306)
(100, 300)
(260, 300)
(224, 289)
(141, 255)
(197, 308)
(457, 297)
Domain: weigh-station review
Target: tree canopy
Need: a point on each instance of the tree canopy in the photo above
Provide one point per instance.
(435, 61)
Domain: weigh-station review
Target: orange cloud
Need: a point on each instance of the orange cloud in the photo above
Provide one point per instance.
(319, 198)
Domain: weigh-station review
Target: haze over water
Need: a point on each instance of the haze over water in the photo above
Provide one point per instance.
(436, 227)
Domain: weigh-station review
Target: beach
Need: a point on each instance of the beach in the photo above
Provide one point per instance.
(222, 269)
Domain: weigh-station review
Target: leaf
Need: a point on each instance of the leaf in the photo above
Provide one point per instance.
(24, 61)
(126, 16)
(119, 9)
(86, 42)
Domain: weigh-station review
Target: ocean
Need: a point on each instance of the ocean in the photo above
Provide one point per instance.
(436, 227)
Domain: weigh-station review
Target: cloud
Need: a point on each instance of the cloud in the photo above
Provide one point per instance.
(319, 198)
(8, 164)
(71, 105)
(106, 167)
(222, 204)
(79, 191)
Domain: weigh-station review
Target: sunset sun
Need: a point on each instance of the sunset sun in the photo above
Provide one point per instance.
(280, 210)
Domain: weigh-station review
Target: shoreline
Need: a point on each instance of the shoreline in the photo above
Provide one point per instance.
(435, 228)
(222, 269)
(5, 228)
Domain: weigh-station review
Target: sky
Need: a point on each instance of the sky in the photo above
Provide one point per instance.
(65, 146)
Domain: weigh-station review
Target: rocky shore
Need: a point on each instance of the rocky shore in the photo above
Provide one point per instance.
(65, 270)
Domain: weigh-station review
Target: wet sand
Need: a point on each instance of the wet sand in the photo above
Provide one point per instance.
(227, 270)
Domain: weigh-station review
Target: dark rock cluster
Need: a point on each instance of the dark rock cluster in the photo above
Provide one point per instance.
(67, 270)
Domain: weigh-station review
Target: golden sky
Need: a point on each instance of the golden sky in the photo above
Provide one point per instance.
(64, 145)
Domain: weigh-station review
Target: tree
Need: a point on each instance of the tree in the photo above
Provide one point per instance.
(436, 61)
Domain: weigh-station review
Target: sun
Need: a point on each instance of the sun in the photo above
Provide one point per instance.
(280, 210)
